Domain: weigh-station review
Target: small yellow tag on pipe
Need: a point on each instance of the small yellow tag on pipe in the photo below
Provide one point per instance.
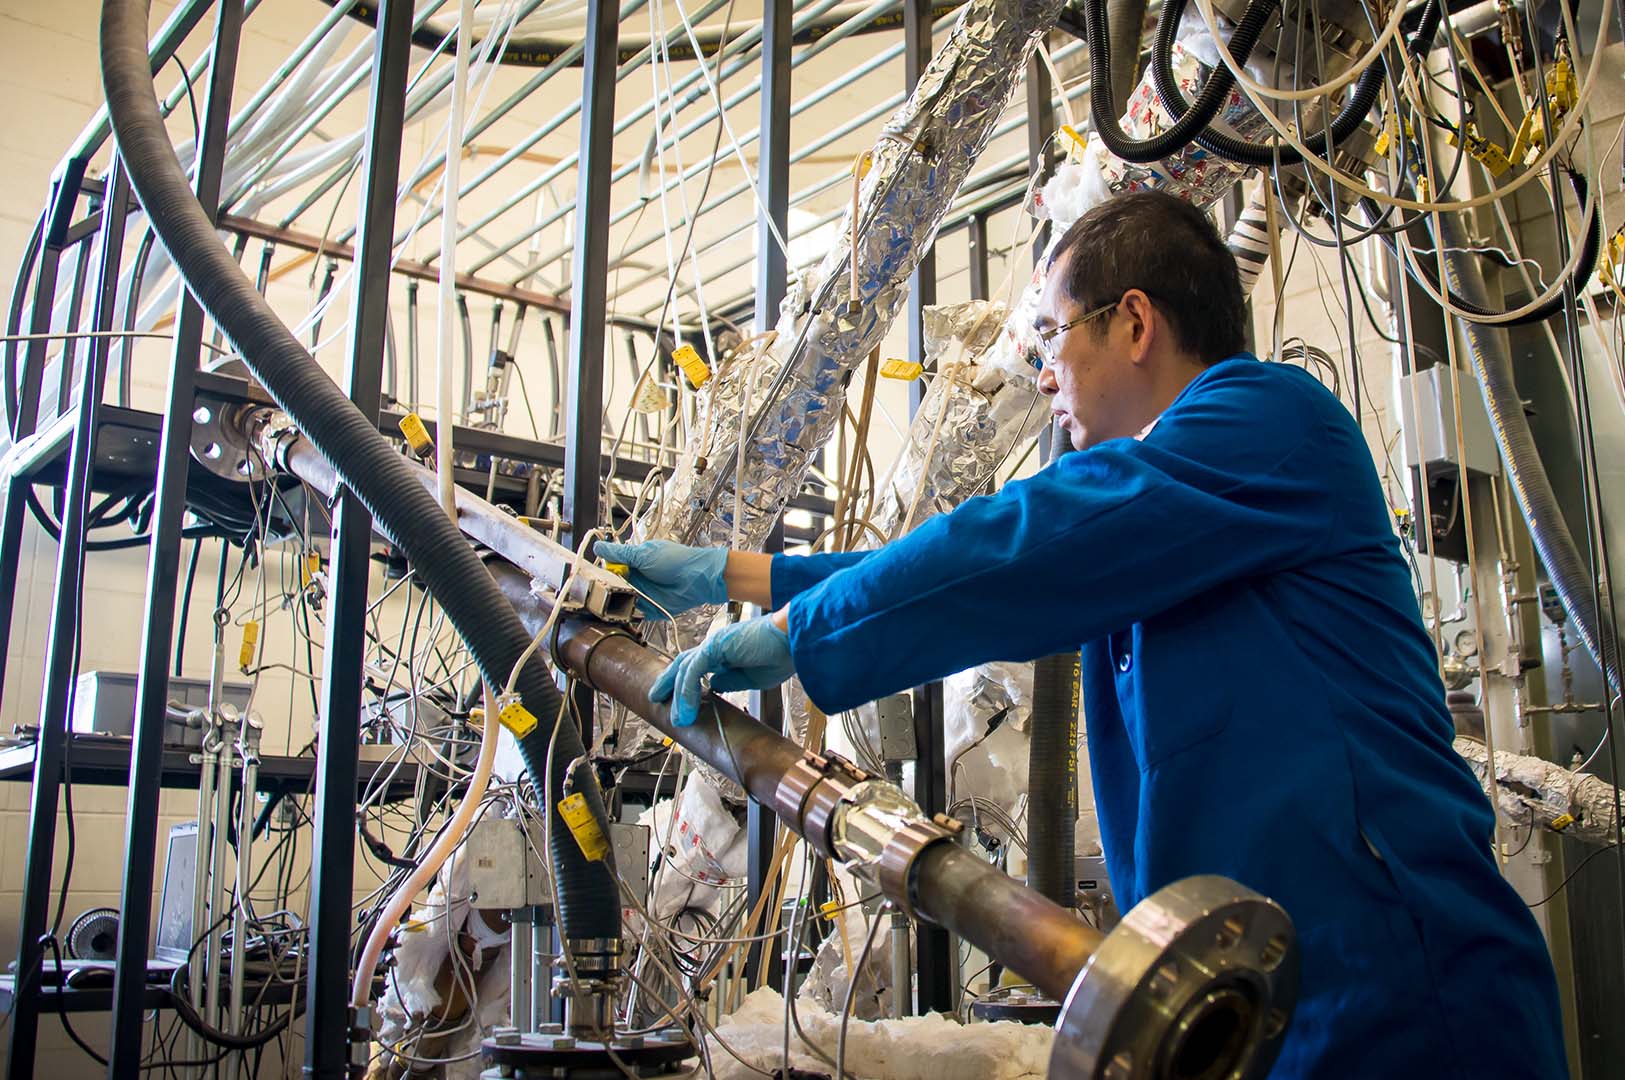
(251, 638)
(583, 826)
(692, 365)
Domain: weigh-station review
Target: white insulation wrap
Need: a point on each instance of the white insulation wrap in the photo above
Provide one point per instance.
(1536, 792)
(796, 390)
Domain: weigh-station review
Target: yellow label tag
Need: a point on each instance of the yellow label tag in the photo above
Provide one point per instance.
(417, 436)
(692, 365)
(251, 638)
(312, 567)
(1561, 822)
(583, 826)
(905, 370)
(517, 719)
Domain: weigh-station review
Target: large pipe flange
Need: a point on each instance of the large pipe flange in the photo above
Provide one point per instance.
(1196, 983)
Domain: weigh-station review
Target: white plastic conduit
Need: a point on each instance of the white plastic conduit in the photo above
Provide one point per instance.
(445, 407)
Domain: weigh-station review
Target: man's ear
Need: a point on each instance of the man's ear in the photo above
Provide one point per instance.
(1142, 324)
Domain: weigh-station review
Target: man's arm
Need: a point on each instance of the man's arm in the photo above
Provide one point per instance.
(1237, 480)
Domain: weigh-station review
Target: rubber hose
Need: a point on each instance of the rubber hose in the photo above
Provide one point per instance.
(1126, 21)
(1052, 779)
(404, 512)
(1367, 88)
(1492, 362)
(1102, 98)
(1591, 248)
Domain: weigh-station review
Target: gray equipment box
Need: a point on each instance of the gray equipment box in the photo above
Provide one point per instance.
(104, 703)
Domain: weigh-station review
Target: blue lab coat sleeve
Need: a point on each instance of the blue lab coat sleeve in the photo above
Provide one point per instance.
(1225, 486)
(793, 575)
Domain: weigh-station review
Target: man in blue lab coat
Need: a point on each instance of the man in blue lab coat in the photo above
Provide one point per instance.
(1263, 701)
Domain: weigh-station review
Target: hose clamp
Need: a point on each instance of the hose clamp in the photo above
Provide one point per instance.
(897, 858)
(811, 791)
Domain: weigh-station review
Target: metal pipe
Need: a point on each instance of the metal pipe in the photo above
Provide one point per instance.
(248, 742)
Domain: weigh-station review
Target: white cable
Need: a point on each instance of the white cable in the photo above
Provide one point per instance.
(1326, 89)
(445, 410)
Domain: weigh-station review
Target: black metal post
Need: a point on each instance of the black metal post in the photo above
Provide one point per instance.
(1040, 133)
(922, 287)
(65, 188)
(163, 572)
(976, 239)
(327, 995)
(773, 179)
(935, 966)
(62, 657)
(589, 277)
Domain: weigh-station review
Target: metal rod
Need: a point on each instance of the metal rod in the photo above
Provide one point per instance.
(220, 820)
(922, 287)
(61, 658)
(327, 1026)
(248, 742)
(976, 241)
(583, 416)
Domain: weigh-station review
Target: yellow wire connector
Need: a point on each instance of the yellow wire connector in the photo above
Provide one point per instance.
(1488, 154)
(516, 718)
(417, 436)
(904, 370)
(583, 826)
(1561, 822)
(693, 367)
(251, 640)
(618, 568)
(312, 567)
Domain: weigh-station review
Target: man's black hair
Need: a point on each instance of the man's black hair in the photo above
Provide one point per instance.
(1170, 250)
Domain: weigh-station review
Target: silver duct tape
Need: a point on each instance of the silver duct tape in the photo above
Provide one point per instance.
(919, 163)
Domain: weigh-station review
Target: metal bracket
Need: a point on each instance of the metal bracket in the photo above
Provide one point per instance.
(898, 857)
(811, 791)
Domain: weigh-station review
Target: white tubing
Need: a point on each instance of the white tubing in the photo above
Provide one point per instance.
(421, 877)
(444, 399)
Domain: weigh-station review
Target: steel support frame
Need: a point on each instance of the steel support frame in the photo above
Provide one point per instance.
(163, 572)
(62, 651)
(327, 995)
(773, 181)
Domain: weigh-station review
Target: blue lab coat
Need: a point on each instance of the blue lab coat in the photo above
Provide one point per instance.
(1262, 702)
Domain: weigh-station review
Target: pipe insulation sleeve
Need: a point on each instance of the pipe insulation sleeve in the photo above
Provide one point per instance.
(403, 511)
(1250, 242)
(1052, 779)
(1492, 363)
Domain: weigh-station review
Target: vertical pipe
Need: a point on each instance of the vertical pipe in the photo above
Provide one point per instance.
(773, 181)
(976, 239)
(446, 285)
(934, 960)
(1052, 779)
(327, 1019)
(922, 287)
(62, 650)
(65, 187)
(70, 346)
(1040, 133)
(412, 343)
(583, 420)
(151, 692)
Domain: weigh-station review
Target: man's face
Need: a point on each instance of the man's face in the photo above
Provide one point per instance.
(1085, 368)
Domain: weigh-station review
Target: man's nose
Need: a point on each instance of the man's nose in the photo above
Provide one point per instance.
(1046, 379)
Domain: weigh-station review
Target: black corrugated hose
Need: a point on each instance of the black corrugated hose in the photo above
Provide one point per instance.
(1366, 89)
(1492, 362)
(403, 509)
(1052, 779)
(1104, 107)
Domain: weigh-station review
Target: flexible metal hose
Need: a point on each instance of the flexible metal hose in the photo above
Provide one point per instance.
(1492, 362)
(1052, 779)
(366, 462)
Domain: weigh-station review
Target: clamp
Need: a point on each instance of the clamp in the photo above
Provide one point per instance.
(897, 858)
(811, 791)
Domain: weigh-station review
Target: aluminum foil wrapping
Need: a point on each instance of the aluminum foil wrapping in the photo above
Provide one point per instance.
(1536, 792)
(922, 157)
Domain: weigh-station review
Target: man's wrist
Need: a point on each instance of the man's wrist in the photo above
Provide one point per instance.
(748, 576)
(781, 618)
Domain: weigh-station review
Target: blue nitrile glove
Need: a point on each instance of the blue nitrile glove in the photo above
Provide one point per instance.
(675, 576)
(749, 655)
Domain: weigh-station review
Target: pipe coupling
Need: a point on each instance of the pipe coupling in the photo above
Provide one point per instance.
(812, 791)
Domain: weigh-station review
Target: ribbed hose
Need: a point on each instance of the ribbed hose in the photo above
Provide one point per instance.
(1492, 362)
(1366, 90)
(589, 904)
(1052, 779)
(1105, 108)
(1125, 22)
(1590, 248)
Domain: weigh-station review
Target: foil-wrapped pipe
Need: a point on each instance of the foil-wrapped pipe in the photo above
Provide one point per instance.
(796, 391)
(1537, 792)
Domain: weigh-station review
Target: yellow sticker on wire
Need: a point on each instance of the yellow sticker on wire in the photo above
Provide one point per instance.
(583, 826)
(251, 638)
(517, 719)
(693, 367)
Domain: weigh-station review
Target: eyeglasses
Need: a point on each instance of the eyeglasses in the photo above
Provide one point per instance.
(1047, 339)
